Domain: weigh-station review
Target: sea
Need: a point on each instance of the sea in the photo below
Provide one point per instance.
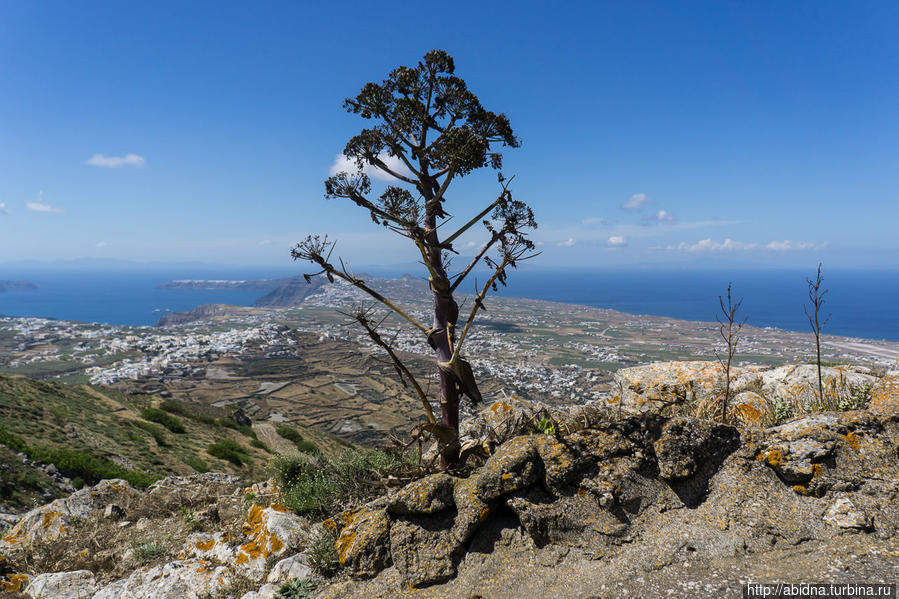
(861, 303)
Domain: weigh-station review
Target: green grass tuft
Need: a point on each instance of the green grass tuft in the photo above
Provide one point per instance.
(167, 420)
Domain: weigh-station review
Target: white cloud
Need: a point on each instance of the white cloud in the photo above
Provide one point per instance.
(594, 222)
(116, 161)
(470, 244)
(348, 165)
(3, 209)
(567, 243)
(617, 241)
(729, 245)
(101, 244)
(707, 245)
(40, 206)
(787, 245)
(637, 202)
(664, 217)
(265, 242)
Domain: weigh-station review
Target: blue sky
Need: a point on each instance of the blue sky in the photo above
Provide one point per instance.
(694, 134)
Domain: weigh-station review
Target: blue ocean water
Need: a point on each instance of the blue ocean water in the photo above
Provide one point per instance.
(863, 303)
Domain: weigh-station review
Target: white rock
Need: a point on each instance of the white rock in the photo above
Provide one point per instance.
(266, 592)
(53, 520)
(294, 566)
(79, 584)
(272, 532)
(843, 514)
(175, 580)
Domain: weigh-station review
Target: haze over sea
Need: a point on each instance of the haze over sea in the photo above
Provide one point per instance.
(863, 303)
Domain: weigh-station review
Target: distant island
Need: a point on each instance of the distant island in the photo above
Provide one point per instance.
(16, 286)
(250, 285)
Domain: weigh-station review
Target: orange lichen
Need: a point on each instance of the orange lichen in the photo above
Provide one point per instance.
(344, 543)
(48, 518)
(774, 457)
(817, 470)
(853, 441)
(500, 405)
(800, 489)
(14, 583)
(206, 544)
(582, 492)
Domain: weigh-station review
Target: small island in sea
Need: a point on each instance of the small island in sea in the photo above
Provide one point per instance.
(16, 286)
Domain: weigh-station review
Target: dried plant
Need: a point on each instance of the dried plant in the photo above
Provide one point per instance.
(429, 131)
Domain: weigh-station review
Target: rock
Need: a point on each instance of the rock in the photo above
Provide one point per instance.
(512, 467)
(295, 566)
(9, 519)
(843, 514)
(559, 464)
(656, 387)
(79, 584)
(267, 591)
(175, 580)
(687, 443)
(362, 546)
(208, 546)
(423, 550)
(749, 407)
(272, 531)
(798, 384)
(113, 512)
(52, 521)
(884, 396)
(425, 496)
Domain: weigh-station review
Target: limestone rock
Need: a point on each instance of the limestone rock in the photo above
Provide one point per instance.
(79, 584)
(512, 467)
(52, 521)
(175, 580)
(362, 546)
(798, 384)
(884, 396)
(272, 531)
(423, 550)
(295, 566)
(843, 514)
(654, 387)
(428, 495)
(267, 591)
(687, 443)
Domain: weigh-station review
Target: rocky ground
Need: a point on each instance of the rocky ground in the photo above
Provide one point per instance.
(641, 499)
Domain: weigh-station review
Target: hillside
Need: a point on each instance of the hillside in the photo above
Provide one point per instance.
(55, 436)
(596, 501)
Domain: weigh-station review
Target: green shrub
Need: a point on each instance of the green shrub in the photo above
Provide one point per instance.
(325, 486)
(298, 588)
(859, 396)
(291, 434)
(80, 465)
(260, 445)
(322, 553)
(243, 429)
(144, 552)
(167, 420)
(155, 432)
(196, 463)
(227, 449)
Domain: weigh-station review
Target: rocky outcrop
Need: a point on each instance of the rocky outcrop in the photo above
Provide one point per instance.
(54, 520)
(757, 392)
(643, 486)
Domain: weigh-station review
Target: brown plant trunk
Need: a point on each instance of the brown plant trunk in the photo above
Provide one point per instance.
(446, 314)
